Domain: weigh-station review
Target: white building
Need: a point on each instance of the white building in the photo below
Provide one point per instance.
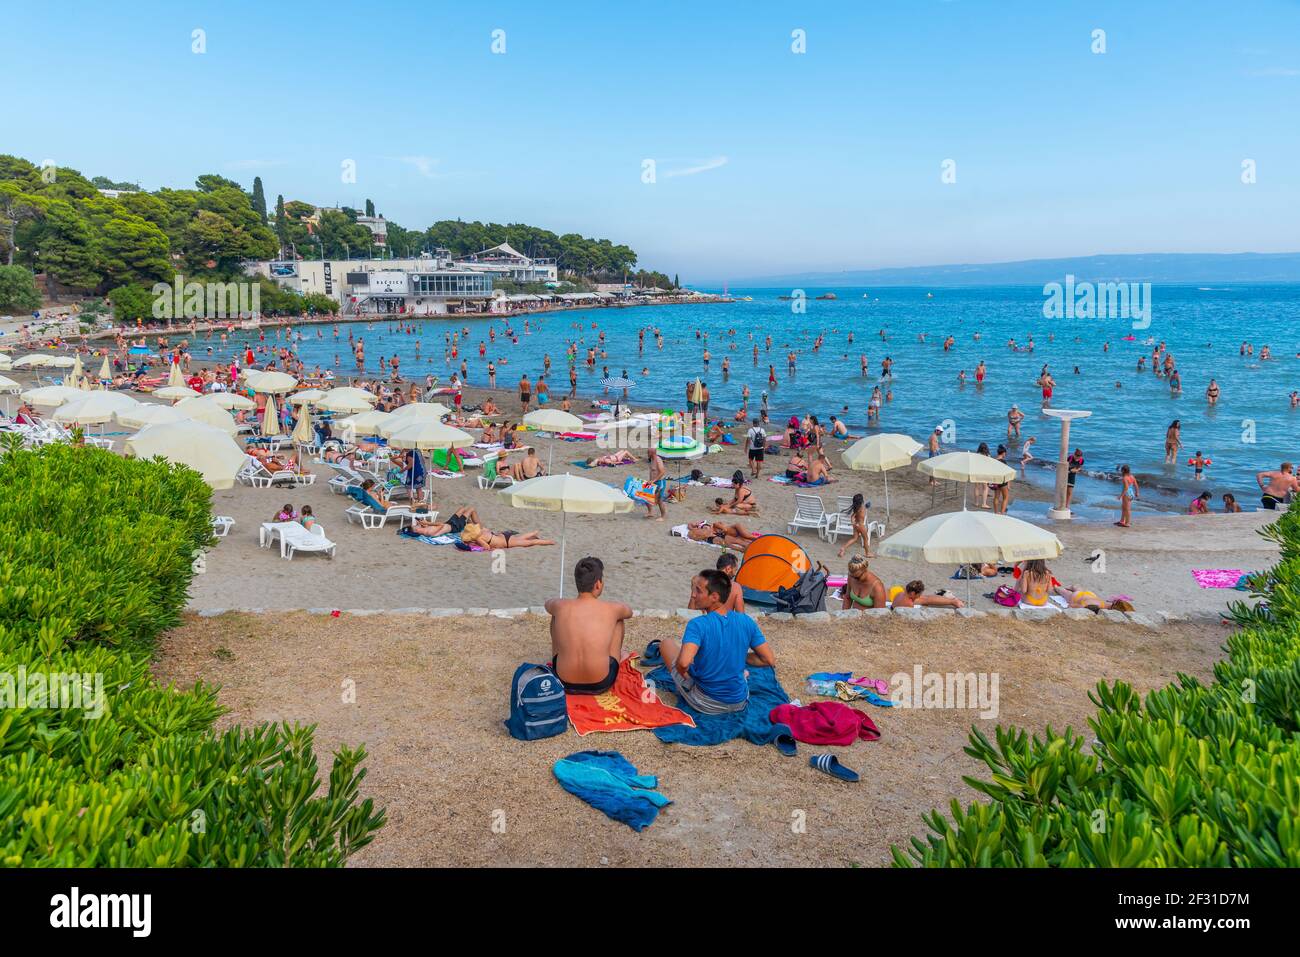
(506, 262)
(423, 286)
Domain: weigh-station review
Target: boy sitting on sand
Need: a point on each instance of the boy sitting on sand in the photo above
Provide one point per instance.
(587, 633)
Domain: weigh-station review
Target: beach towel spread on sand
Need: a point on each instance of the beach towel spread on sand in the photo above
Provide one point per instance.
(628, 706)
(1217, 577)
(752, 724)
(825, 722)
(610, 783)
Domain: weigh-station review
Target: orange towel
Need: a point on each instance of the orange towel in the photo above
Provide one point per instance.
(628, 706)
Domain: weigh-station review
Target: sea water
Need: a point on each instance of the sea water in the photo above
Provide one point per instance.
(1094, 363)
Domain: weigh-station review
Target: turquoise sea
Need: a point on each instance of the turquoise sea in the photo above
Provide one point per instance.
(1095, 367)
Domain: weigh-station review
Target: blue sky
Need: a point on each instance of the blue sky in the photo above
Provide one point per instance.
(767, 161)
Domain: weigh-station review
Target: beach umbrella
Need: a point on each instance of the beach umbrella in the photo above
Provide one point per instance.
(94, 408)
(231, 400)
(424, 435)
(5, 363)
(272, 383)
(422, 411)
(368, 422)
(105, 371)
(75, 378)
(306, 397)
(145, 414)
(346, 399)
(31, 361)
(567, 493)
(61, 362)
(174, 376)
(270, 418)
(618, 382)
(967, 467)
(175, 392)
(210, 452)
(202, 409)
(303, 433)
(8, 388)
(962, 537)
(880, 453)
(50, 395)
(553, 420)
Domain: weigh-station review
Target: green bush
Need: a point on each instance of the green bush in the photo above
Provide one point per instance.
(1197, 776)
(96, 558)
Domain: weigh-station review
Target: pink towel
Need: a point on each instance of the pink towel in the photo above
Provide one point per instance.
(1217, 577)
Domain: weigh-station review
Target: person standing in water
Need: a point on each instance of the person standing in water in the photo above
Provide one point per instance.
(1128, 494)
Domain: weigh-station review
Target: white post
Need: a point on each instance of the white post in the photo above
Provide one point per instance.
(564, 527)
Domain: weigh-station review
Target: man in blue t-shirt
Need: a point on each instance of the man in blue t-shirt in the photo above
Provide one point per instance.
(708, 664)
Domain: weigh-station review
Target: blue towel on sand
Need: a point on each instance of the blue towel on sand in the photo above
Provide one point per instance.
(752, 724)
(609, 782)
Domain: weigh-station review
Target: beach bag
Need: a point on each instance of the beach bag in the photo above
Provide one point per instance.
(538, 708)
(807, 595)
(1007, 596)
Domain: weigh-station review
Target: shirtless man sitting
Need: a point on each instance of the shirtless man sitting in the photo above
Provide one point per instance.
(587, 633)
(1280, 485)
(530, 466)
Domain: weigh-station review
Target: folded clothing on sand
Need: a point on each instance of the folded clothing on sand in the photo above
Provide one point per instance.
(628, 706)
(751, 723)
(825, 722)
(428, 539)
(610, 783)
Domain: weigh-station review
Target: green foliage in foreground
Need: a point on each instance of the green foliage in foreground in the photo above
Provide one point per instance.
(95, 560)
(1195, 776)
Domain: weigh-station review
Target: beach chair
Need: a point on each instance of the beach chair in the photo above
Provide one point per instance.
(491, 478)
(368, 513)
(345, 478)
(840, 522)
(221, 525)
(305, 540)
(256, 474)
(809, 512)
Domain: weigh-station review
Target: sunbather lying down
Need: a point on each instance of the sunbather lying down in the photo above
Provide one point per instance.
(621, 457)
(735, 537)
(475, 534)
(455, 524)
(1082, 598)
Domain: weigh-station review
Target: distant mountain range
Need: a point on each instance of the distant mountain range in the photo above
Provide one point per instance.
(1141, 267)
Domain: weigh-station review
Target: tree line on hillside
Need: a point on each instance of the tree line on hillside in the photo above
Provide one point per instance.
(55, 221)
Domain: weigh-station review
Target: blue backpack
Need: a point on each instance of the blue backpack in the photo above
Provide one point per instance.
(537, 704)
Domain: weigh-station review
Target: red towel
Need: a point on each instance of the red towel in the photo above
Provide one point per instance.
(628, 706)
(825, 722)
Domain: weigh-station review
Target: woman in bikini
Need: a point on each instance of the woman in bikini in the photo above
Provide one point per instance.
(1128, 493)
(796, 470)
(742, 499)
(1173, 441)
(475, 534)
(858, 516)
(863, 589)
(1035, 583)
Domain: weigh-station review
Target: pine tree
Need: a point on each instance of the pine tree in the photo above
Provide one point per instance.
(370, 207)
(676, 282)
(279, 217)
(259, 199)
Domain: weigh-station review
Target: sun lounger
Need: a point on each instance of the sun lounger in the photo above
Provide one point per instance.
(256, 474)
(345, 478)
(221, 525)
(294, 537)
(491, 478)
(840, 522)
(809, 512)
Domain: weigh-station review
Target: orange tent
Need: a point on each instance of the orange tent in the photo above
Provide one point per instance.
(770, 563)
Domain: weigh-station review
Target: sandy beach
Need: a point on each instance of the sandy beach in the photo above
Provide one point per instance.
(431, 695)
